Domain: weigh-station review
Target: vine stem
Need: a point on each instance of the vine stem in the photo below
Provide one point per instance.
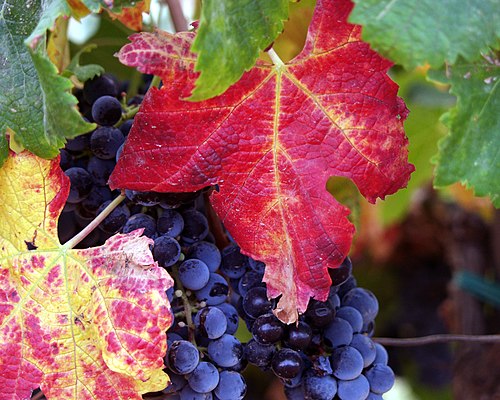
(439, 338)
(275, 58)
(178, 18)
(38, 396)
(95, 222)
(155, 82)
(215, 224)
(130, 113)
(186, 305)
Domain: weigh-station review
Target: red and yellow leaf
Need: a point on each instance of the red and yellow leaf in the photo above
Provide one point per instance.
(271, 142)
(78, 9)
(82, 324)
(128, 13)
(131, 17)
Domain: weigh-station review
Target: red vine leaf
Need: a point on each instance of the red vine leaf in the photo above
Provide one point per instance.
(81, 324)
(271, 142)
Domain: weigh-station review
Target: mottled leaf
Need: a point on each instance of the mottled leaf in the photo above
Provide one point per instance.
(128, 12)
(33, 96)
(230, 36)
(271, 142)
(82, 324)
(470, 153)
(434, 32)
(131, 17)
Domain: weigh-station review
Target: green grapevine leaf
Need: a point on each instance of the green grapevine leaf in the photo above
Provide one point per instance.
(50, 10)
(229, 39)
(414, 33)
(34, 96)
(469, 154)
(424, 129)
(83, 72)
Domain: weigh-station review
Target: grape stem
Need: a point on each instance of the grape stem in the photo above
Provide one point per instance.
(439, 338)
(155, 82)
(129, 114)
(187, 306)
(95, 222)
(215, 224)
(38, 396)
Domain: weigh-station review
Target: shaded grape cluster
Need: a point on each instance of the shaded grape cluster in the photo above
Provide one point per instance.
(328, 354)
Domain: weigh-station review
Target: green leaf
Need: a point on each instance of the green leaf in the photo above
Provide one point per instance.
(56, 100)
(83, 72)
(92, 5)
(229, 39)
(428, 31)
(424, 129)
(35, 103)
(50, 10)
(470, 153)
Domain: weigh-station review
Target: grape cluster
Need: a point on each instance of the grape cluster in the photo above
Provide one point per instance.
(89, 159)
(204, 358)
(328, 354)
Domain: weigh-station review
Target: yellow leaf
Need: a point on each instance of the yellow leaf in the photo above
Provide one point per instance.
(78, 9)
(82, 324)
(58, 45)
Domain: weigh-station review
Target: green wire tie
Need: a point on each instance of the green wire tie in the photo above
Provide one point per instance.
(481, 288)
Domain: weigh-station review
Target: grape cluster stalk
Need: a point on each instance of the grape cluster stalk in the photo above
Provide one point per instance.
(328, 354)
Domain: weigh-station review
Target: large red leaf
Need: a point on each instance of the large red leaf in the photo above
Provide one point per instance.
(271, 142)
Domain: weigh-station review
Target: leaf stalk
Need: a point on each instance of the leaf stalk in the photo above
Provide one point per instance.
(275, 58)
(95, 222)
(187, 306)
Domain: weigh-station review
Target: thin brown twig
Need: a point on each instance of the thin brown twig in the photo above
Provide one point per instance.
(38, 396)
(439, 338)
(177, 15)
(215, 224)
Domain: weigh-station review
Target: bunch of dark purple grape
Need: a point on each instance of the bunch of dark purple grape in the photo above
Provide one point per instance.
(327, 355)
(89, 159)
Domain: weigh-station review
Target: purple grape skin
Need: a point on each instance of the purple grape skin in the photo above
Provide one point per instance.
(105, 142)
(267, 329)
(232, 386)
(99, 86)
(81, 184)
(106, 111)
(287, 363)
(182, 357)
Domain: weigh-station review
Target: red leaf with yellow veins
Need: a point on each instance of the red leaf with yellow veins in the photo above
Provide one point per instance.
(271, 142)
(82, 324)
